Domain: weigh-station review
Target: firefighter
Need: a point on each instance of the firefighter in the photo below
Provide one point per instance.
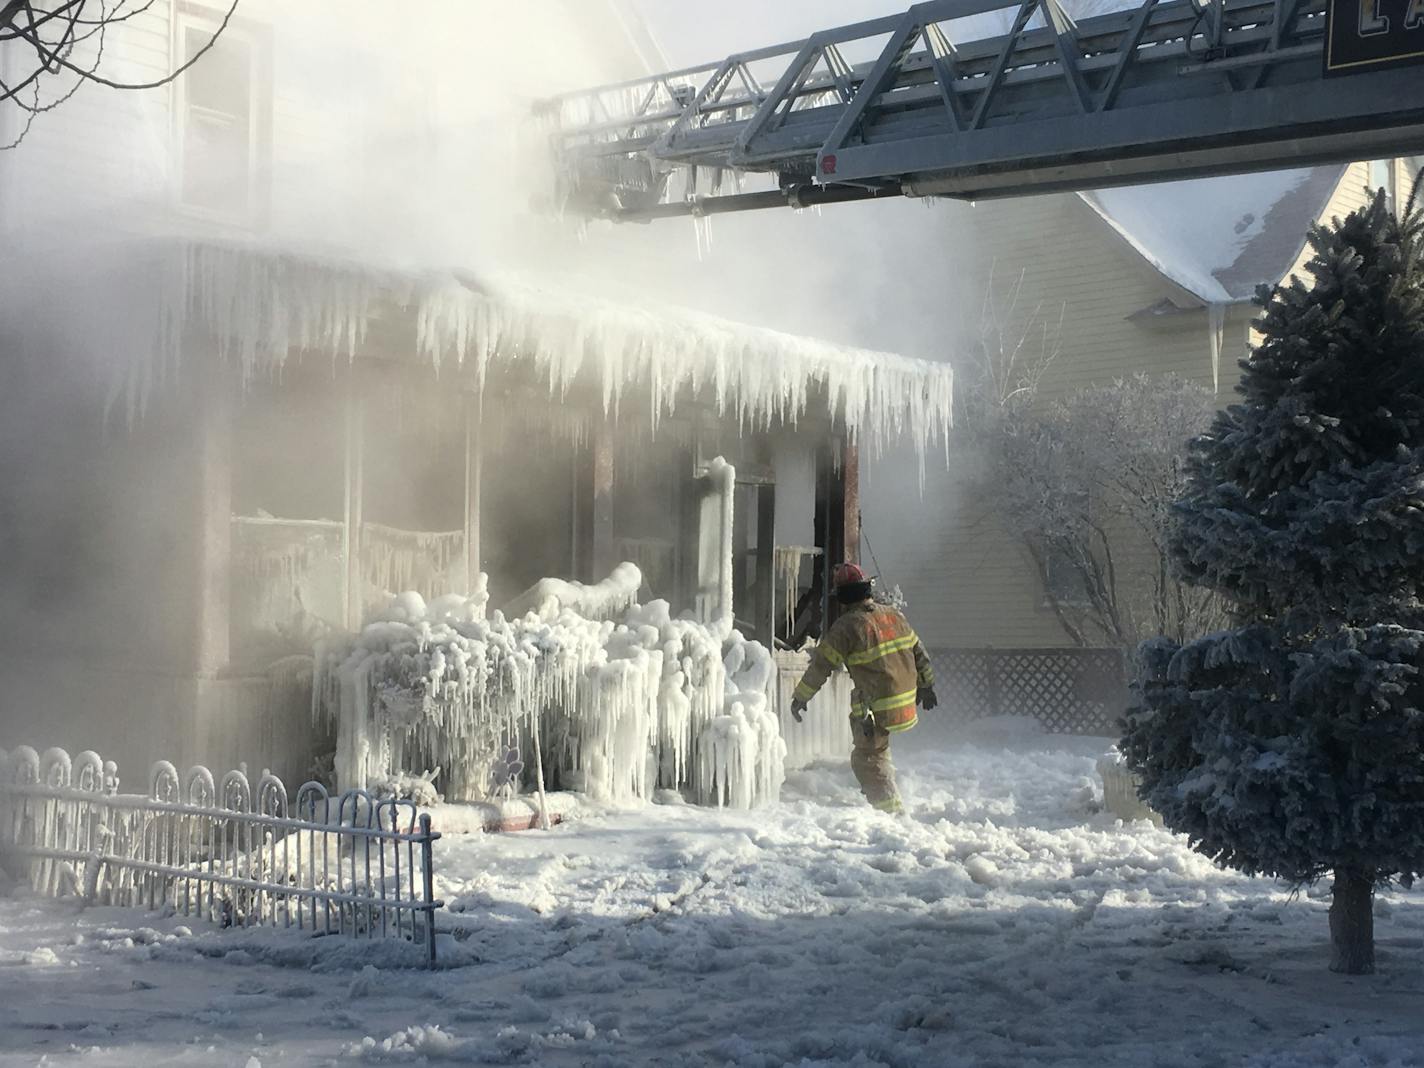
(890, 676)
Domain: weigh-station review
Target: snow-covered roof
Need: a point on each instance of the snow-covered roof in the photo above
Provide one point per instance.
(261, 305)
(1219, 238)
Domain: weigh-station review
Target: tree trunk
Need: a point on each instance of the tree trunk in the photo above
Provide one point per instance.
(1352, 924)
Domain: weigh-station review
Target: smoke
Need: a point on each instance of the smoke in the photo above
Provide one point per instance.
(393, 137)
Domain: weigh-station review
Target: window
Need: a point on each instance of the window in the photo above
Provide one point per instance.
(1382, 177)
(1063, 581)
(223, 115)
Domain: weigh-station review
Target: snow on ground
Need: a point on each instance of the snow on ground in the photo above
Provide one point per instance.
(1004, 922)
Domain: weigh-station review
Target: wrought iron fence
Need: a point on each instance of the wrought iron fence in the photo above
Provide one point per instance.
(354, 864)
(1070, 691)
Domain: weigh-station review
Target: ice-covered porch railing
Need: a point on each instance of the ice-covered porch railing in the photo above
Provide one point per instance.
(155, 300)
(223, 849)
(291, 571)
(394, 559)
(620, 707)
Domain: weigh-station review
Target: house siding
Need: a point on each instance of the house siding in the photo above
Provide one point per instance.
(149, 506)
(1351, 194)
(1081, 281)
(340, 106)
(969, 581)
(89, 154)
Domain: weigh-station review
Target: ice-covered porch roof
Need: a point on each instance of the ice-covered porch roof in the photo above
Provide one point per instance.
(261, 306)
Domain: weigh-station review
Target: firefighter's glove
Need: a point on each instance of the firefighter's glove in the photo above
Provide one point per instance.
(798, 706)
(927, 698)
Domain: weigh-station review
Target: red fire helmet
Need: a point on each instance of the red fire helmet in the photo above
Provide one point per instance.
(846, 575)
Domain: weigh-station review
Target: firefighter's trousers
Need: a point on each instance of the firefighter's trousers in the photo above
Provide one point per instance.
(870, 760)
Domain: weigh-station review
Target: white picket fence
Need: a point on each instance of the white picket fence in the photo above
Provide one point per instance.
(354, 865)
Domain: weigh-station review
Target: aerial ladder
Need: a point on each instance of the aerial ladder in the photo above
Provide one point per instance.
(1032, 101)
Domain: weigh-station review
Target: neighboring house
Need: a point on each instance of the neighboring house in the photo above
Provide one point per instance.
(241, 409)
(1155, 278)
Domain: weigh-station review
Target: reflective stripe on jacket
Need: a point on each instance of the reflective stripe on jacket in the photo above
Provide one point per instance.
(887, 664)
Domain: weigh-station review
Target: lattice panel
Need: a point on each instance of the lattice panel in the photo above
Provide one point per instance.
(964, 682)
(1070, 691)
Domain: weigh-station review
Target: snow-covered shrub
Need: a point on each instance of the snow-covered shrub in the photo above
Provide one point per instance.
(1087, 482)
(405, 787)
(1292, 744)
(626, 704)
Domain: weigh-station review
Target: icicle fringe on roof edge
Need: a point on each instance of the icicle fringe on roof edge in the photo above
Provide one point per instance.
(758, 376)
(259, 306)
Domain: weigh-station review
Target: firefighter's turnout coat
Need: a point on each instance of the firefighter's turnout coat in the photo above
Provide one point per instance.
(887, 664)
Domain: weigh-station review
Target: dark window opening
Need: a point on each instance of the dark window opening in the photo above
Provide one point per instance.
(526, 505)
(649, 482)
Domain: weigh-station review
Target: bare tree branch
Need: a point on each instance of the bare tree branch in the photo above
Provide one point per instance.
(1087, 483)
(41, 42)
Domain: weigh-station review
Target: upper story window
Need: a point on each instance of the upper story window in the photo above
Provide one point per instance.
(223, 108)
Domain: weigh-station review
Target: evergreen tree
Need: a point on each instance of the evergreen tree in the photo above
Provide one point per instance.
(1292, 743)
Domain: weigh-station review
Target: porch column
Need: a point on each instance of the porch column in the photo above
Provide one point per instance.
(837, 513)
(603, 547)
(213, 493)
(594, 549)
(850, 502)
(474, 471)
(352, 748)
(353, 592)
(200, 698)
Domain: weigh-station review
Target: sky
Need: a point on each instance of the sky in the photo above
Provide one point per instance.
(688, 35)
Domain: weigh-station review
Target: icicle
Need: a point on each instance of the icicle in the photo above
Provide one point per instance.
(787, 562)
(261, 305)
(395, 559)
(760, 377)
(1216, 339)
(702, 234)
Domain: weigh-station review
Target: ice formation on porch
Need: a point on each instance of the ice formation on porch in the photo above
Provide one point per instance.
(395, 559)
(787, 563)
(260, 305)
(604, 600)
(625, 705)
(292, 570)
